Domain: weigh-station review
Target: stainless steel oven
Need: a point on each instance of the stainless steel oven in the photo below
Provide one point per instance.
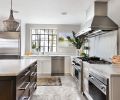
(77, 72)
(98, 87)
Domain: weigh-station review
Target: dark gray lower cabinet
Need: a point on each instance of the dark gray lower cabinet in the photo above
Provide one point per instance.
(20, 87)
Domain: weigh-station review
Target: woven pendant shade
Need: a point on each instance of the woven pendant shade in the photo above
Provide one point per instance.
(10, 24)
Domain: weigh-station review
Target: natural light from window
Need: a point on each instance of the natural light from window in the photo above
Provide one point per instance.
(44, 40)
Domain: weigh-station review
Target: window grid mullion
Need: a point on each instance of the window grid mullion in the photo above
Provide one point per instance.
(44, 40)
(48, 40)
(46, 33)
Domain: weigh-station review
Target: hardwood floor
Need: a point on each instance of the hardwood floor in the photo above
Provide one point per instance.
(68, 91)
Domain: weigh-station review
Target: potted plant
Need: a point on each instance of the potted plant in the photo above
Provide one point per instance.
(33, 46)
(77, 41)
(61, 39)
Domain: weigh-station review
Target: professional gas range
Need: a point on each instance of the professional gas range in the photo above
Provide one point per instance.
(94, 60)
(98, 85)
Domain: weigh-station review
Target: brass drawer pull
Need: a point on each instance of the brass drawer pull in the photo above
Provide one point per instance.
(24, 86)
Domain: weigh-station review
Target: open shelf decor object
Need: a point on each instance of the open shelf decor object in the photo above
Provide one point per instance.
(10, 24)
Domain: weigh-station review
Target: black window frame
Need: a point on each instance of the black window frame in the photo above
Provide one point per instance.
(37, 41)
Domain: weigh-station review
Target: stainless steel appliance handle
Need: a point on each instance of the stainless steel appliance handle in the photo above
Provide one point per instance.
(27, 73)
(103, 87)
(91, 77)
(33, 74)
(26, 98)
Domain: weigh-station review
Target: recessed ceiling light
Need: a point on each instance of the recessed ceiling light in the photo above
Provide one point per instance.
(64, 13)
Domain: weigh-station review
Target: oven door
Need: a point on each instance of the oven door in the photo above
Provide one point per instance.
(77, 77)
(77, 72)
(96, 89)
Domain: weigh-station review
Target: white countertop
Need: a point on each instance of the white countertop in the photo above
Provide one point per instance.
(106, 70)
(47, 55)
(14, 67)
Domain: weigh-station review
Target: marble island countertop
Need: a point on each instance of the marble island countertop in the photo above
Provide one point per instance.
(14, 67)
(106, 70)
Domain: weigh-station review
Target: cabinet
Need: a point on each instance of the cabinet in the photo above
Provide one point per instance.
(85, 78)
(44, 66)
(20, 87)
(67, 64)
(72, 70)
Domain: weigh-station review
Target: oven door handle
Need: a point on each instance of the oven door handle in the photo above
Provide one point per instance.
(91, 77)
(98, 84)
(77, 68)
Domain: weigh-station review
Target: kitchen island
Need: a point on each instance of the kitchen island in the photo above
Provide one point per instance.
(17, 79)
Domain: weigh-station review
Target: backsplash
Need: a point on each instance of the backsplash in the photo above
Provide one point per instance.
(104, 46)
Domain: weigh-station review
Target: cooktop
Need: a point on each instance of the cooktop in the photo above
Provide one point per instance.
(94, 60)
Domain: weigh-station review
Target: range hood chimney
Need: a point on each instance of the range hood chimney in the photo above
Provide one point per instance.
(100, 21)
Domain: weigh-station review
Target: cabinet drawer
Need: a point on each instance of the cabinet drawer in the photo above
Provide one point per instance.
(25, 95)
(33, 65)
(33, 77)
(23, 76)
(33, 87)
(33, 68)
(23, 90)
(22, 80)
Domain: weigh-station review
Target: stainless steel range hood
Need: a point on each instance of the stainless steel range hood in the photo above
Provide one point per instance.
(100, 21)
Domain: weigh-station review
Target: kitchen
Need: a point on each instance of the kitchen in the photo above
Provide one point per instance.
(38, 62)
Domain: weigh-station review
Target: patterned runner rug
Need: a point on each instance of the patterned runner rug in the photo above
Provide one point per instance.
(49, 81)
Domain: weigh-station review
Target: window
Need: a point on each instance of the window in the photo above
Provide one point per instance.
(44, 40)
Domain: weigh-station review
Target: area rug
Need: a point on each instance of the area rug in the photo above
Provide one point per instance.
(49, 81)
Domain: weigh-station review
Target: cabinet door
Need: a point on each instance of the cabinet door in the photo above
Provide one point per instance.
(72, 70)
(39, 67)
(7, 90)
(67, 65)
(85, 77)
(44, 67)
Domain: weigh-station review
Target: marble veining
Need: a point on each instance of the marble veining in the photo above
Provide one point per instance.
(68, 91)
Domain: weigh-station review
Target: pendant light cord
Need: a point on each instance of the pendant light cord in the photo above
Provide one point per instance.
(11, 4)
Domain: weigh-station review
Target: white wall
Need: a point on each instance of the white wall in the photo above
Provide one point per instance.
(114, 14)
(22, 38)
(104, 46)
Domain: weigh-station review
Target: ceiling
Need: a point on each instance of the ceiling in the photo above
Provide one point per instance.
(47, 11)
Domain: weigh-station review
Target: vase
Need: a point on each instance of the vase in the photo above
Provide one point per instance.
(78, 52)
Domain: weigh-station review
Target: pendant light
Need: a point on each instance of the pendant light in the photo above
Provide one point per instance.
(10, 24)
